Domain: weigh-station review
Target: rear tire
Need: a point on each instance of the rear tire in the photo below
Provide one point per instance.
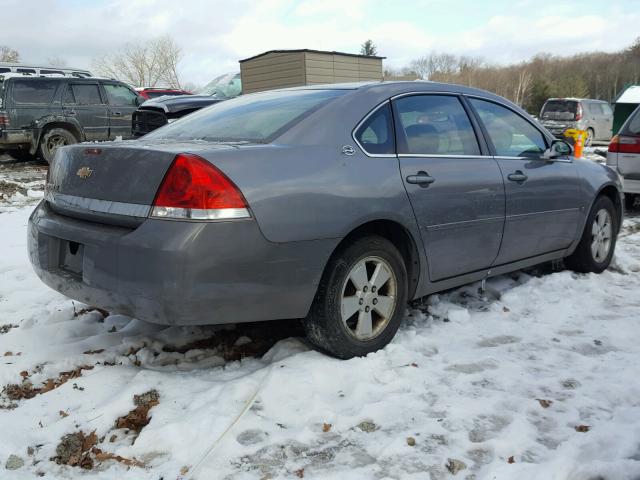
(629, 200)
(360, 301)
(54, 139)
(598, 242)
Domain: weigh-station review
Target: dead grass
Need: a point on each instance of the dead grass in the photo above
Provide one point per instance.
(26, 390)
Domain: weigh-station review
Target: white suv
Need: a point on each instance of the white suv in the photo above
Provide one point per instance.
(624, 156)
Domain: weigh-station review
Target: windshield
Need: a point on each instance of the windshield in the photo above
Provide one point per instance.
(255, 118)
(559, 110)
(224, 86)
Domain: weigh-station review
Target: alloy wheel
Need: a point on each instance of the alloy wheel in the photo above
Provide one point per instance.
(368, 299)
(54, 142)
(601, 232)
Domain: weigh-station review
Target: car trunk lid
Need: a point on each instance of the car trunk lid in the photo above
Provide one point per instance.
(111, 183)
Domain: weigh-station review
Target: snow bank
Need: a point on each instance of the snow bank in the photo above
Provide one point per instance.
(498, 380)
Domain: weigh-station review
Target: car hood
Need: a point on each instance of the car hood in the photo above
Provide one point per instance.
(172, 104)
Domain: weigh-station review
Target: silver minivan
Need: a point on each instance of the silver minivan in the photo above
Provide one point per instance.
(593, 116)
(624, 156)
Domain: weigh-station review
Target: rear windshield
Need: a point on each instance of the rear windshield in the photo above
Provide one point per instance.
(257, 118)
(34, 92)
(559, 110)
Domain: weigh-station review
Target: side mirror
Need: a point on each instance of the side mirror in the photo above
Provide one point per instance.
(558, 148)
(139, 100)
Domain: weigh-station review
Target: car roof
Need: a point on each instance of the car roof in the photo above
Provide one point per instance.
(36, 78)
(400, 87)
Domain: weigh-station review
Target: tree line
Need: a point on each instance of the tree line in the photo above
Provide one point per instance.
(593, 75)
(597, 75)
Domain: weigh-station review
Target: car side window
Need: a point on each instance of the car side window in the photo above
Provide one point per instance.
(375, 135)
(511, 135)
(434, 125)
(85, 94)
(596, 108)
(27, 92)
(119, 95)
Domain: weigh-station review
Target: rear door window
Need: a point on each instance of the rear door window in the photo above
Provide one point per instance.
(375, 135)
(85, 94)
(119, 95)
(35, 92)
(434, 125)
(510, 134)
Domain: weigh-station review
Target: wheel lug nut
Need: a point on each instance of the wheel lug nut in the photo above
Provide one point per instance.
(375, 301)
(361, 301)
(364, 289)
(366, 309)
(373, 289)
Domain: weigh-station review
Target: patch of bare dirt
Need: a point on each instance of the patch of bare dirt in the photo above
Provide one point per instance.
(6, 327)
(79, 450)
(27, 390)
(258, 339)
(138, 418)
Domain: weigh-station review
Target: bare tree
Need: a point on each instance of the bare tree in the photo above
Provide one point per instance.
(8, 54)
(57, 61)
(150, 64)
(435, 65)
(524, 84)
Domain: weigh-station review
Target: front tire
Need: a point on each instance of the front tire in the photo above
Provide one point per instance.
(54, 139)
(360, 301)
(598, 241)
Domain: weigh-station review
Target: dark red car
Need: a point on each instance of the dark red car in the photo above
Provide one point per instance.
(153, 92)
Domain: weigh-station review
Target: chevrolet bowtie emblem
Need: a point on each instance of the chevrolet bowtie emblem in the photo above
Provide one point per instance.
(84, 172)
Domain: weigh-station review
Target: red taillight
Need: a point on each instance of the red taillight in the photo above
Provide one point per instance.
(579, 112)
(194, 189)
(624, 144)
(4, 120)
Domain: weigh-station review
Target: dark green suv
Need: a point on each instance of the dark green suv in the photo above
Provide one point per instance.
(40, 114)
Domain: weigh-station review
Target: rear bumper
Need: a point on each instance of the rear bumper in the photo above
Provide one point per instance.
(179, 273)
(630, 186)
(15, 138)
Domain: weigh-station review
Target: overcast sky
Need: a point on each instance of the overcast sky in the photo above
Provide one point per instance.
(214, 35)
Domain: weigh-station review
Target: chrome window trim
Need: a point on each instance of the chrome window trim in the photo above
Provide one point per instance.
(440, 155)
(366, 117)
(560, 160)
(425, 92)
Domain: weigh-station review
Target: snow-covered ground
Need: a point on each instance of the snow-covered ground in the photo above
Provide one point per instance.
(536, 378)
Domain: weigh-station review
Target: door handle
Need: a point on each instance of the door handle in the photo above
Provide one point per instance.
(517, 176)
(422, 178)
(116, 113)
(70, 112)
